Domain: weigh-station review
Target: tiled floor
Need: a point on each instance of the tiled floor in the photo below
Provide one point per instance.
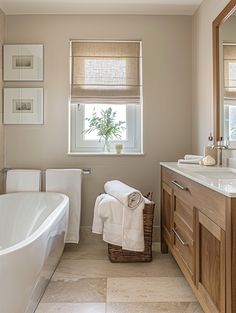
(86, 282)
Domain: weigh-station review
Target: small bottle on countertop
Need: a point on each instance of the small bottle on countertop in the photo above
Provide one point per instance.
(209, 150)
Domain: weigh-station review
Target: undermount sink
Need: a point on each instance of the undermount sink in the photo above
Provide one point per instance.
(220, 173)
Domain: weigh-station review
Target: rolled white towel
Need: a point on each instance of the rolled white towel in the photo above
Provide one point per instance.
(127, 195)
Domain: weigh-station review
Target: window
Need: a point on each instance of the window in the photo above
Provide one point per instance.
(229, 110)
(230, 120)
(106, 96)
(229, 51)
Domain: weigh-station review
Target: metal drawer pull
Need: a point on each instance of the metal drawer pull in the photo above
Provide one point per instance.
(180, 239)
(179, 186)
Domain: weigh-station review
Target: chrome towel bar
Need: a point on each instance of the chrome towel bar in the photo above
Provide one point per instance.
(86, 171)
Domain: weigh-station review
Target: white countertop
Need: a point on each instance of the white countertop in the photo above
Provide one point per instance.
(220, 179)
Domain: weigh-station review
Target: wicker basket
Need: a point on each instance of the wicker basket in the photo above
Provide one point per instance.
(118, 255)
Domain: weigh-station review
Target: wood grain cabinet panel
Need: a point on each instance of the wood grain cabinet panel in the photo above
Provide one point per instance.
(183, 242)
(184, 211)
(210, 271)
(166, 215)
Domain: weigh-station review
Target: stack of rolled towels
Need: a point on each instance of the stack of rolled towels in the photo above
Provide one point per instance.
(118, 215)
(191, 159)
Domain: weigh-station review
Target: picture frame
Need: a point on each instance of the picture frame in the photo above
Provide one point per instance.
(23, 62)
(23, 106)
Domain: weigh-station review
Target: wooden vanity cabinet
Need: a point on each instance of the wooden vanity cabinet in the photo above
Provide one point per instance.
(193, 223)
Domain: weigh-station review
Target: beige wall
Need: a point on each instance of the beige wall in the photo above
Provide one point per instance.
(2, 31)
(167, 52)
(202, 71)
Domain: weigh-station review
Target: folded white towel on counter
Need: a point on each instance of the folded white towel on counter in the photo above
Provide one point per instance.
(192, 156)
(118, 224)
(127, 195)
(190, 161)
(23, 180)
(68, 181)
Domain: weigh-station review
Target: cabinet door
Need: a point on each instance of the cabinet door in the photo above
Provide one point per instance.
(166, 213)
(210, 263)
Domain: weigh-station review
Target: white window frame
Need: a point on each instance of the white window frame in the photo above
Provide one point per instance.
(133, 128)
(134, 124)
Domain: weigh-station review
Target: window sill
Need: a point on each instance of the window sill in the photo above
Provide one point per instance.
(106, 154)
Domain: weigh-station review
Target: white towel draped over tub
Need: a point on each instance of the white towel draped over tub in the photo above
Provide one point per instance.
(119, 224)
(68, 181)
(23, 180)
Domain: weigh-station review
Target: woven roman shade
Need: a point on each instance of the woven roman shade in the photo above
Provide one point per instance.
(229, 52)
(105, 71)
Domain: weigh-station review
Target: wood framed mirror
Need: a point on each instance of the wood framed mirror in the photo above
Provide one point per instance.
(218, 71)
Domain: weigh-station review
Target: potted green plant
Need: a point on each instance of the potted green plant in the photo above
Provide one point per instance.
(106, 126)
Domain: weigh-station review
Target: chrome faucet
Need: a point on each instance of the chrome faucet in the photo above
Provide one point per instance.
(220, 146)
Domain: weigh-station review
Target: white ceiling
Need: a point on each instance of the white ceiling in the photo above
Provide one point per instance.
(154, 7)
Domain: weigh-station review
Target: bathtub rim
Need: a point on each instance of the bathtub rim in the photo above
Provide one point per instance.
(43, 227)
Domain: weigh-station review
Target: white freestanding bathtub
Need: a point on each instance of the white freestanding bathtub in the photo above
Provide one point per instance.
(32, 232)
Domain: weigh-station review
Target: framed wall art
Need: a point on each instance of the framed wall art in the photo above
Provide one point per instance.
(23, 106)
(22, 62)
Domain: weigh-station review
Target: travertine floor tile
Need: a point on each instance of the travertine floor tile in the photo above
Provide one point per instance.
(194, 308)
(80, 284)
(162, 266)
(177, 307)
(82, 290)
(158, 307)
(161, 289)
(71, 308)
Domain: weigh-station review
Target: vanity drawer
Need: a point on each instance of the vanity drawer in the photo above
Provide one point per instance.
(183, 244)
(181, 185)
(183, 211)
(183, 225)
(211, 203)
